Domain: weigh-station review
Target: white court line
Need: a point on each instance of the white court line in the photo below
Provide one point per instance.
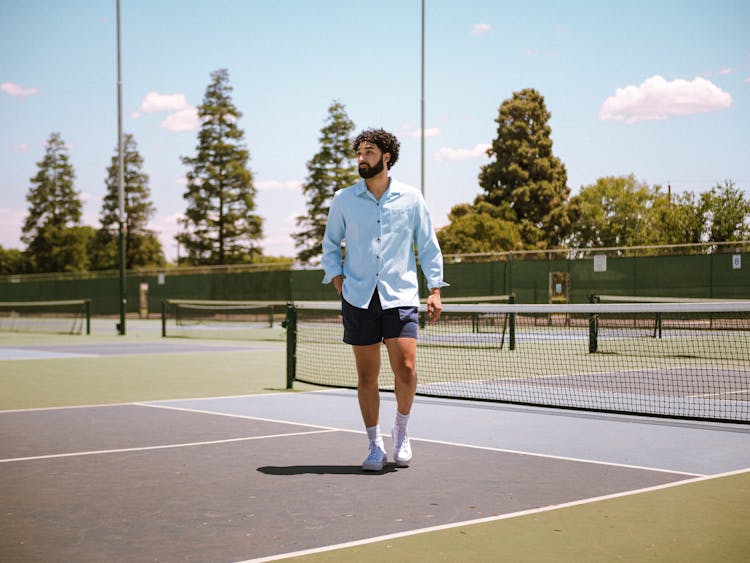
(441, 442)
(246, 417)
(96, 405)
(722, 394)
(558, 457)
(162, 447)
(331, 428)
(489, 519)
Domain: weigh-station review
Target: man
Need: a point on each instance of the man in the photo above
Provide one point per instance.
(381, 221)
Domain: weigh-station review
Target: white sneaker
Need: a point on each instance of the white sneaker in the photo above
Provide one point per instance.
(377, 457)
(401, 447)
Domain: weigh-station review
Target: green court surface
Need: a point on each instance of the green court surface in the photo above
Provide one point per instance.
(111, 378)
(702, 521)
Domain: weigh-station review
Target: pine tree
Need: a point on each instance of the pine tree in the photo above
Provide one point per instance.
(526, 176)
(331, 169)
(220, 226)
(141, 245)
(55, 240)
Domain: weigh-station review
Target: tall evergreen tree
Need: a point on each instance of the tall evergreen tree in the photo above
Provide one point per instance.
(220, 226)
(55, 241)
(141, 245)
(525, 176)
(331, 169)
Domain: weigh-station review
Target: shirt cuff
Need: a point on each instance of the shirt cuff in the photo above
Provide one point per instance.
(328, 277)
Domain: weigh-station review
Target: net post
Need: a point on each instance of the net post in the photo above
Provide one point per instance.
(291, 344)
(87, 310)
(163, 318)
(593, 344)
(512, 324)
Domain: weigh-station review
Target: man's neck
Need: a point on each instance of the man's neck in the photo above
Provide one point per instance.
(378, 184)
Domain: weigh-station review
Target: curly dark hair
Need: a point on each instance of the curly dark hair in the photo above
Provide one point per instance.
(384, 140)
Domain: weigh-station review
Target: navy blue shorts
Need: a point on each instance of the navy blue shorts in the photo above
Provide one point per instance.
(363, 327)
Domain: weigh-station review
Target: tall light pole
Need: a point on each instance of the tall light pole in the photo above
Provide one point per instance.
(120, 185)
(421, 133)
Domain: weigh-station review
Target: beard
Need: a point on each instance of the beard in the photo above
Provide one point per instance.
(368, 172)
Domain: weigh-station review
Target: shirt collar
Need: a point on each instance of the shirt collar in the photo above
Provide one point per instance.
(394, 189)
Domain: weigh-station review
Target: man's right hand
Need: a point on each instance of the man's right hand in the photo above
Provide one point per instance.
(338, 283)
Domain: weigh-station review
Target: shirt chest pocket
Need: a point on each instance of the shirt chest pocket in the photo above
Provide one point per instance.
(398, 219)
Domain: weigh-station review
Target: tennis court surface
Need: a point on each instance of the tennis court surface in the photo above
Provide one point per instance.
(265, 476)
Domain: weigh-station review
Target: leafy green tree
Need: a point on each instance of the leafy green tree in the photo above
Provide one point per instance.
(220, 226)
(12, 261)
(480, 228)
(674, 218)
(525, 175)
(330, 170)
(142, 248)
(727, 213)
(612, 212)
(54, 243)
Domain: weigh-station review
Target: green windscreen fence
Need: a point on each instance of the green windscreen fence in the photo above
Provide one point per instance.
(720, 275)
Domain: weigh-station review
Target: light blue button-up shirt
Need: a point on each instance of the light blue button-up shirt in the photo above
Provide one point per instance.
(380, 237)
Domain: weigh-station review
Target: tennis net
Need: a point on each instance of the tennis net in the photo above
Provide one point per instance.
(220, 319)
(682, 360)
(71, 316)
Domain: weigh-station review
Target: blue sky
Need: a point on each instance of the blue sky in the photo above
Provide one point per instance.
(659, 89)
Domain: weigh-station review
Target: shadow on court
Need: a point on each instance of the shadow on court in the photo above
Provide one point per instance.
(326, 470)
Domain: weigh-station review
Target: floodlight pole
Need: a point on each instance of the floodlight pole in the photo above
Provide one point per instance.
(421, 132)
(120, 188)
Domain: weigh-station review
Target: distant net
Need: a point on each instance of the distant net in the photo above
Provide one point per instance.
(71, 316)
(683, 360)
(233, 320)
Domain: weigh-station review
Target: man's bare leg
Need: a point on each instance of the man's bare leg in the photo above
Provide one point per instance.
(402, 353)
(368, 368)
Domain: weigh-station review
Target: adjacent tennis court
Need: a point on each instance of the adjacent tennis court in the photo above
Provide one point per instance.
(144, 448)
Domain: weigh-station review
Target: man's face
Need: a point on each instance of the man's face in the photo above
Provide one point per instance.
(370, 160)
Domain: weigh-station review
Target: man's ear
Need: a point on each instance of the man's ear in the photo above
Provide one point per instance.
(387, 157)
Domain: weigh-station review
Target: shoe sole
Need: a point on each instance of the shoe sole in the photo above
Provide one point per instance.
(374, 467)
(400, 463)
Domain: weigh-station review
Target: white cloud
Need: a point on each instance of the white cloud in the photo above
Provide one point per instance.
(23, 147)
(271, 185)
(747, 79)
(183, 120)
(478, 151)
(480, 28)
(13, 89)
(416, 133)
(657, 98)
(184, 116)
(155, 102)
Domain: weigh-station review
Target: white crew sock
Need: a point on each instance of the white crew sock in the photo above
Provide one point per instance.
(373, 432)
(402, 420)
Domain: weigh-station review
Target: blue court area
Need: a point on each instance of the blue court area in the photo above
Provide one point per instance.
(91, 350)
(264, 477)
